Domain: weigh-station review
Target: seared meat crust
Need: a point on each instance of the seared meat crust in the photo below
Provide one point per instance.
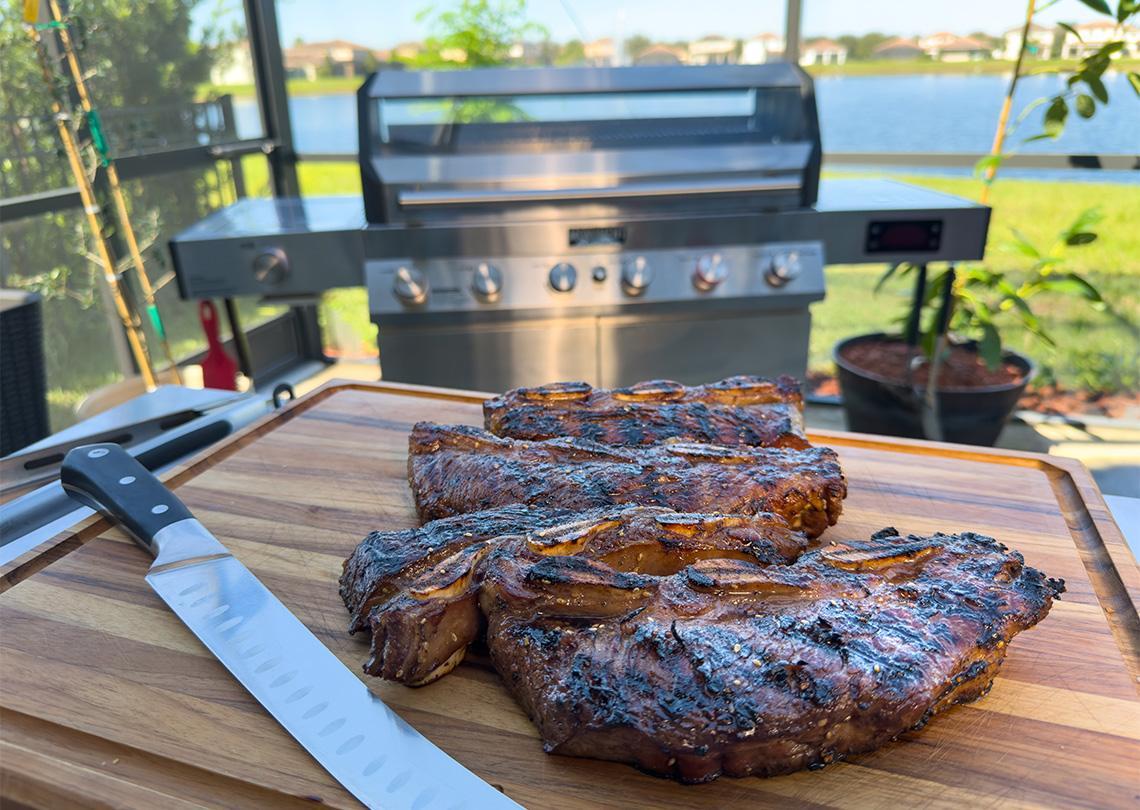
(384, 562)
(456, 469)
(730, 668)
(416, 589)
(738, 410)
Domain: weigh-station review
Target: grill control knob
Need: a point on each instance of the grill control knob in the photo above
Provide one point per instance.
(636, 274)
(785, 267)
(711, 270)
(487, 281)
(271, 266)
(410, 286)
(563, 277)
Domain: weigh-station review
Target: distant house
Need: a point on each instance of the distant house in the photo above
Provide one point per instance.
(936, 41)
(761, 49)
(600, 52)
(899, 49)
(1095, 35)
(661, 55)
(529, 53)
(822, 52)
(1041, 42)
(958, 49)
(456, 55)
(341, 58)
(233, 65)
(712, 50)
(407, 51)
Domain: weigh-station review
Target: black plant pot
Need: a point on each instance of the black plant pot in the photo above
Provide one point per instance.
(874, 404)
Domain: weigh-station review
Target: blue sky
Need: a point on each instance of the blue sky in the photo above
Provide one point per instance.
(383, 23)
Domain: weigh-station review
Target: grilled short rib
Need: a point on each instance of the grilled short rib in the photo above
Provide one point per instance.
(416, 589)
(727, 667)
(455, 469)
(738, 410)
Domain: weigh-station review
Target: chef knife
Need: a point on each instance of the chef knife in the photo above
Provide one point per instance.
(378, 757)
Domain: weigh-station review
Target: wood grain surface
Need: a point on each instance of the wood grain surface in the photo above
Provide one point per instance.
(107, 700)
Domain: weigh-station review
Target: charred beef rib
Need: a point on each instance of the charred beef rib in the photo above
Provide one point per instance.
(738, 410)
(456, 469)
(727, 667)
(417, 589)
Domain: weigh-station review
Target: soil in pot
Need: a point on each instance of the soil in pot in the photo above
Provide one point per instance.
(974, 402)
(961, 368)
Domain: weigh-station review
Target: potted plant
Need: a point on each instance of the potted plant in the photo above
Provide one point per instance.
(946, 376)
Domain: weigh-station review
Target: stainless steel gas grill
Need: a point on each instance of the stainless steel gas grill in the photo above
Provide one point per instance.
(606, 225)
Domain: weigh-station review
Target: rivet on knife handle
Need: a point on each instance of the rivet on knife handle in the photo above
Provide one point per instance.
(107, 478)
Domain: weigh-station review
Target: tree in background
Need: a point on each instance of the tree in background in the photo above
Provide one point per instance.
(866, 44)
(572, 53)
(482, 31)
(635, 45)
(136, 55)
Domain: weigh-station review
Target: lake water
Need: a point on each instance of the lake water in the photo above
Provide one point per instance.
(926, 113)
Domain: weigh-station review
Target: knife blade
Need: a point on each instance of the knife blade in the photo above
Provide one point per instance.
(366, 746)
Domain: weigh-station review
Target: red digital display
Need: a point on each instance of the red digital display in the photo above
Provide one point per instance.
(904, 236)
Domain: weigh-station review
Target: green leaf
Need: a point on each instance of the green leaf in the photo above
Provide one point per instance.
(1099, 6)
(1125, 9)
(1022, 245)
(985, 164)
(1097, 87)
(1056, 116)
(1086, 106)
(989, 347)
(1080, 238)
(1086, 219)
(902, 269)
(1134, 80)
(1072, 31)
(1028, 109)
(1071, 282)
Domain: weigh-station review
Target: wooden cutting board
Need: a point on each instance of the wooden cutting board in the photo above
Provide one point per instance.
(107, 700)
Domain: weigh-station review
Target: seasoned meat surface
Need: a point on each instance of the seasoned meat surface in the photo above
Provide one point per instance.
(416, 589)
(738, 410)
(456, 469)
(728, 667)
(384, 562)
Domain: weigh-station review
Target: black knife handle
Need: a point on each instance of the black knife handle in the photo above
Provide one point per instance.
(108, 479)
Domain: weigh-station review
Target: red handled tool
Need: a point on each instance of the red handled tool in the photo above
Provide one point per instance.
(219, 370)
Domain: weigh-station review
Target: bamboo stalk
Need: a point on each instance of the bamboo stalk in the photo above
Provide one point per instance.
(999, 136)
(117, 195)
(135, 337)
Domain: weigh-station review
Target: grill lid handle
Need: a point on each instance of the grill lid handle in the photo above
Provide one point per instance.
(414, 199)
